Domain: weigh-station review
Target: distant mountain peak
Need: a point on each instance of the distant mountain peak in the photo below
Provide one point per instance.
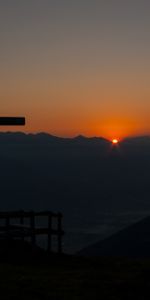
(97, 140)
(80, 137)
(48, 138)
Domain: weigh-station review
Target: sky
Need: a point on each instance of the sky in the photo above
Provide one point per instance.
(76, 67)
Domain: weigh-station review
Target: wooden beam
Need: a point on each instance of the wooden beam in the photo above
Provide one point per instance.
(49, 242)
(26, 214)
(59, 235)
(32, 228)
(12, 121)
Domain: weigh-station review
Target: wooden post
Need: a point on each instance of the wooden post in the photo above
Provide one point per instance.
(49, 242)
(7, 227)
(32, 228)
(59, 233)
(22, 223)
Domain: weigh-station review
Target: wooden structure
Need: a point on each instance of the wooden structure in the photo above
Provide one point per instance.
(25, 227)
(9, 230)
(12, 121)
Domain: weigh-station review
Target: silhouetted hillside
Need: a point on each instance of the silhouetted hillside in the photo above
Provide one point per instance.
(82, 177)
(17, 137)
(133, 241)
(82, 174)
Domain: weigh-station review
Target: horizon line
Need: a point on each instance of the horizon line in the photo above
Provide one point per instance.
(74, 136)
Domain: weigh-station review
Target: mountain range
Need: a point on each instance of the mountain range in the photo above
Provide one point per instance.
(78, 173)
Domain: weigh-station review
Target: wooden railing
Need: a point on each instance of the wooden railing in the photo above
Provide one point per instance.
(21, 230)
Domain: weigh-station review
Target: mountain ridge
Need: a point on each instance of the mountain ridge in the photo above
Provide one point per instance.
(79, 138)
(46, 137)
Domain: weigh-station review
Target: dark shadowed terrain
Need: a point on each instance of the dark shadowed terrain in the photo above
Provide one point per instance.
(77, 279)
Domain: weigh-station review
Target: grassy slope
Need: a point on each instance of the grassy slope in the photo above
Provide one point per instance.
(76, 278)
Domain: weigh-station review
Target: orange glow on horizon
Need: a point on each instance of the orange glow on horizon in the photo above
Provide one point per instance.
(65, 125)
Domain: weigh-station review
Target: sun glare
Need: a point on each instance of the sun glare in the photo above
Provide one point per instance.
(115, 141)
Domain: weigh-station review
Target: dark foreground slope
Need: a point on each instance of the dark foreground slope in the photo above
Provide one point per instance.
(133, 241)
(74, 278)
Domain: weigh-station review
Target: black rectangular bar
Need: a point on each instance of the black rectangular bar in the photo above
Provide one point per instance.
(12, 121)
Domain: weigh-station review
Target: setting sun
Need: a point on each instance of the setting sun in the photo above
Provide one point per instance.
(115, 141)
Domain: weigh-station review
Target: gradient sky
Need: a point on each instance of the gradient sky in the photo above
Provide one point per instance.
(76, 67)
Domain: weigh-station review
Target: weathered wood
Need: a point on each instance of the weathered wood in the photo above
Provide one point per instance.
(32, 225)
(49, 242)
(22, 222)
(26, 214)
(7, 222)
(59, 233)
(27, 229)
(12, 121)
